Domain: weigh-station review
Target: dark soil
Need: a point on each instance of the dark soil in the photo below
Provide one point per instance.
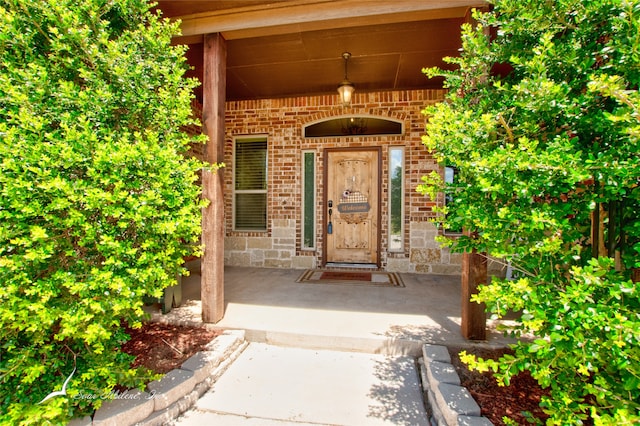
(523, 394)
(163, 347)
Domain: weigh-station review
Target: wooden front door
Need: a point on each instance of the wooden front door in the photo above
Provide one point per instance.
(351, 201)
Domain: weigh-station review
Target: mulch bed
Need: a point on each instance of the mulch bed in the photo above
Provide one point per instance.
(523, 393)
(163, 347)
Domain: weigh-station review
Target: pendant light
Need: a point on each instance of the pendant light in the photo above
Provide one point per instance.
(346, 88)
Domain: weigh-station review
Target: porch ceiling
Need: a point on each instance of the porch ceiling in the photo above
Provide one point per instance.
(280, 48)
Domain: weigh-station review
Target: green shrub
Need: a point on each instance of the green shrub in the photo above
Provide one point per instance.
(98, 206)
(543, 125)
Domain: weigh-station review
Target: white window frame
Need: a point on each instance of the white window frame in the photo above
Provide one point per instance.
(403, 161)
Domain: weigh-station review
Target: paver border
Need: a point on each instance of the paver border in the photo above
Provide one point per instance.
(175, 392)
(448, 403)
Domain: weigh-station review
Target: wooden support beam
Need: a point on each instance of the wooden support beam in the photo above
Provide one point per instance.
(294, 16)
(213, 109)
(474, 319)
(474, 272)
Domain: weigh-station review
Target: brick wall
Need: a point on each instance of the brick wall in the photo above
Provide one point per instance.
(282, 121)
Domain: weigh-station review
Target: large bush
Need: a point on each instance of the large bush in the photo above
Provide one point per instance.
(542, 123)
(98, 206)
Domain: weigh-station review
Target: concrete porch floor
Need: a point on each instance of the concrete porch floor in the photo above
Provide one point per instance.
(273, 308)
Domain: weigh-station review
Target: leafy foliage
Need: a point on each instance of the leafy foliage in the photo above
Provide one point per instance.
(98, 206)
(542, 122)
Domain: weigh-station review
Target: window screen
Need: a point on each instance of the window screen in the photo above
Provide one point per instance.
(250, 185)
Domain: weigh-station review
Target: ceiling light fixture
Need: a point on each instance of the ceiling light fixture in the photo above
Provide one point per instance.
(346, 88)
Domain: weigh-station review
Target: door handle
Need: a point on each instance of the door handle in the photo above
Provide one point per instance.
(330, 225)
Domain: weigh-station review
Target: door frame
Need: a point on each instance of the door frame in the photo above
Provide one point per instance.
(325, 209)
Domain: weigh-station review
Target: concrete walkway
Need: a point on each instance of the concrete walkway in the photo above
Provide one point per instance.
(271, 385)
(324, 354)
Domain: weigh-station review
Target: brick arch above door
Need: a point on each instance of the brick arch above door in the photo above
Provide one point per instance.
(378, 113)
(354, 125)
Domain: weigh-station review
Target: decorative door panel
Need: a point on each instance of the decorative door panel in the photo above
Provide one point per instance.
(351, 199)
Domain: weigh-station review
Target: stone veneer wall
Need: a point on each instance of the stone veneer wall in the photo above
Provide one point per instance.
(282, 121)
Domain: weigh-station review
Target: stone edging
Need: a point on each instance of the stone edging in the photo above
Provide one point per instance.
(448, 403)
(174, 393)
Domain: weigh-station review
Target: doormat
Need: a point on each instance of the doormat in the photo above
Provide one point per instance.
(346, 277)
